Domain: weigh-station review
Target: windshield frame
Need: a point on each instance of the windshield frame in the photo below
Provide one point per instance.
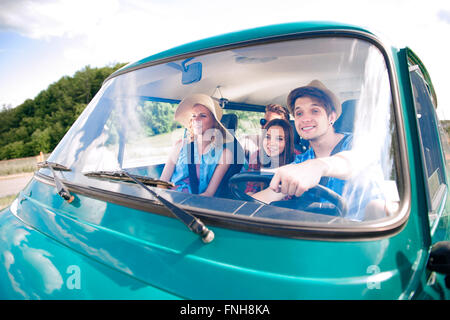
(358, 231)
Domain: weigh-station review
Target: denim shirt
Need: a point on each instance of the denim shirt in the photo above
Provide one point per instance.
(358, 192)
(335, 184)
(206, 165)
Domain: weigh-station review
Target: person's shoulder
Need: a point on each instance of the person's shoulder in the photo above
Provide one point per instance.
(348, 136)
(179, 142)
(178, 145)
(307, 155)
(347, 141)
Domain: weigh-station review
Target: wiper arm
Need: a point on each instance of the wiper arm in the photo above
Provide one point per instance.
(121, 176)
(194, 224)
(60, 187)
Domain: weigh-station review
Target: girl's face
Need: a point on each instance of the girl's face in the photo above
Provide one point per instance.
(274, 141)
(202, 119)
(311, 119)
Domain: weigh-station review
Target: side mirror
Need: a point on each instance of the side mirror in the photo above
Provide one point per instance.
(439, 260)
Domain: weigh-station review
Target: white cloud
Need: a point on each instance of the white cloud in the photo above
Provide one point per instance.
(126, 30)
(53, 18)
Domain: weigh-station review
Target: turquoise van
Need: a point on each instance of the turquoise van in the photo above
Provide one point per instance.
(97, 222)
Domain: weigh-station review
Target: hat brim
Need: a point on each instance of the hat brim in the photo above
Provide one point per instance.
(319, 85)
(183, 113)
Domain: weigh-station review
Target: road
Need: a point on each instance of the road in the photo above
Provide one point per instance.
(12, 184)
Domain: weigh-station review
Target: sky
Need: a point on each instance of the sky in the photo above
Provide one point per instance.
(43, 40)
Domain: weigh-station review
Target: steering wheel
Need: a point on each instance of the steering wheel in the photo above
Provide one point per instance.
(236, 179)
(309, 201)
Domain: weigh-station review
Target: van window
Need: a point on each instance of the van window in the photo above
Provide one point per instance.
(430, 142)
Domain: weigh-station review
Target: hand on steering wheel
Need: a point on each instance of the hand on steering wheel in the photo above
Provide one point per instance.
(315, 194)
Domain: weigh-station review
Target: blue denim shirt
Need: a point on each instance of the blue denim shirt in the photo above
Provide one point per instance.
(334, 184)
(206, 165)
(358, 192)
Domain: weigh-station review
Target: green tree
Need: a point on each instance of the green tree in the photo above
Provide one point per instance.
(12, 150)
(41, 140)
(157, 117)
(39, 124)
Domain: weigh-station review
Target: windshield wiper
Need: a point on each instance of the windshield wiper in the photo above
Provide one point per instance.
(121, 176)
(194, 224)
(60, 187)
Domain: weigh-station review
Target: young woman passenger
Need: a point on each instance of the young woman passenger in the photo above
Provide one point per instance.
(199, 161)
(252, 142)
(277, 149)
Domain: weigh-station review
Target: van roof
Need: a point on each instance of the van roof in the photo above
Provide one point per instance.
(259, 33)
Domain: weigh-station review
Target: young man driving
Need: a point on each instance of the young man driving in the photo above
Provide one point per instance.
(327, 161)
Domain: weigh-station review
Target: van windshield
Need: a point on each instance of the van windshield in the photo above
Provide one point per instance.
(203, 123)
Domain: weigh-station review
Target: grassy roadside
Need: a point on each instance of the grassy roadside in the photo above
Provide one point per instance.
(6, 201)
(13, 167)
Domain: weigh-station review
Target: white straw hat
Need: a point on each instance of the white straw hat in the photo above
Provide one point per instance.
(183, 114)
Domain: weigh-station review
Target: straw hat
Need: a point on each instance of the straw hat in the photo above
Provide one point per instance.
(183, 114)
(316, 84)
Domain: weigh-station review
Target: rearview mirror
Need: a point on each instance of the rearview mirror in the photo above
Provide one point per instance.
(189, 73)
(192, 73)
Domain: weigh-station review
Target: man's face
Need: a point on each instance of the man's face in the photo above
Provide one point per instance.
(311, 119)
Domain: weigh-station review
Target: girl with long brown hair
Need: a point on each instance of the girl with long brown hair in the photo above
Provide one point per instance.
(277, 149)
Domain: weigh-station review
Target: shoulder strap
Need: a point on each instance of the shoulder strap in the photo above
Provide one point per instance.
(338, 148)
(193, 179)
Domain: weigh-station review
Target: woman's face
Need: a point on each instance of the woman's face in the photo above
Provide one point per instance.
(274, 141)
(202, 119)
